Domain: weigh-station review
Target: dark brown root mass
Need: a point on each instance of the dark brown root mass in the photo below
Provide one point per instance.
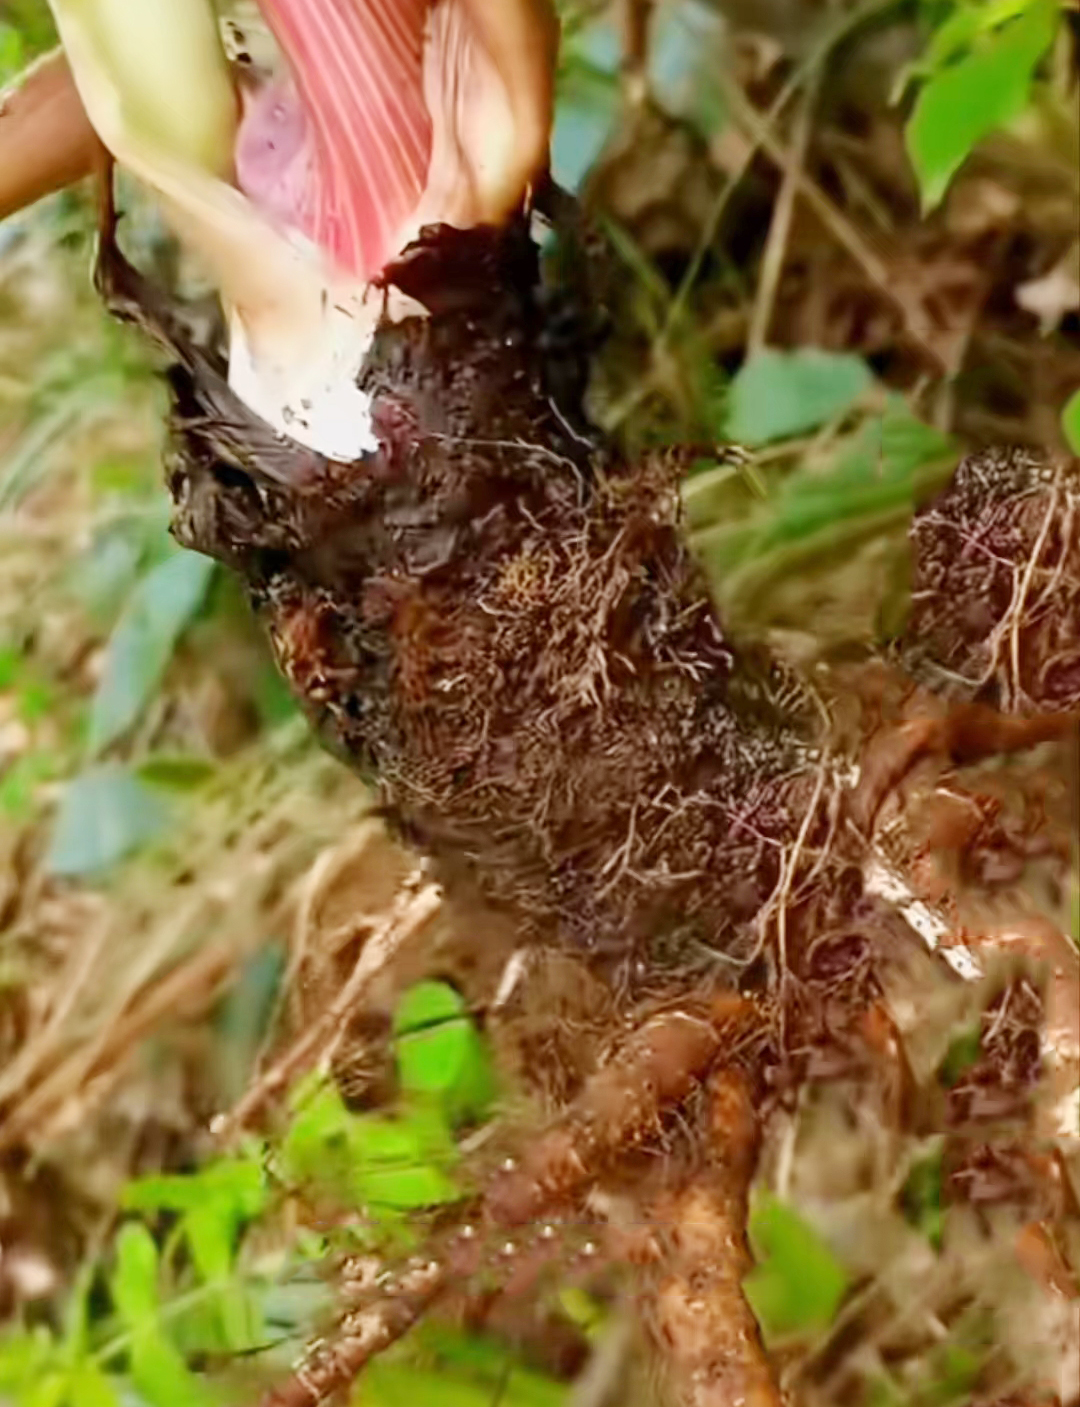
(503, 624)
(499, 621)
(996, 584)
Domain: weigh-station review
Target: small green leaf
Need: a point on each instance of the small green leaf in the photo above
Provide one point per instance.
(234, 1184)
(798, 1284)
(587, 102)
(439, 1051)
(134, 1278)
(963, 1052)
(106, 813)
(12, 52)
(175, 771)
(47, 1391)
(985, 90)
(371, 1160)
(398, 1164)
(89, 1387)
(1070, 422)
(955, 1372)
(36, 699)
(11, 664)
(26, 1356)
(921, 1197)
(158, 1369)
(777, 395)
(143, 642)
(104, 575)
(686, 42)
(162, 1377)
(19, 784)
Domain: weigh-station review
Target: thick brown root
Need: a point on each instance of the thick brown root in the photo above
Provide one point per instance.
(620, 1107)
(697, 1311)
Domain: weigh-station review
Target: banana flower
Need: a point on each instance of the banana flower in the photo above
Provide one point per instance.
(385, 115)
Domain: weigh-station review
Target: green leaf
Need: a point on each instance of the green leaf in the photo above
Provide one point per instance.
(47, 1391)
(985, 90)
(175, 771)
(26, 1355)
(586, 103)
(1070, 422)
(89, 1387)
(440, 1053)
(19, 784)
(237, 1185)
(157, 1368)
(777, 395)
(798, 1284)
(214, 1202)
(371, 1160)
(143, 642)
(162, 1377)
(962, 27)
(921, 1197)
(104, 575)
(105, 814)
(876, 476)
(453, 1367)
(686, 42)
(12, 53)
(398, 1164)
(35, 701)
(963, 1052)
(133, 1282)
(955, 1370)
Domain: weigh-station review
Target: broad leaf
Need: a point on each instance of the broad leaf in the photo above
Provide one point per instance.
(133, 1282)
(1070, 422)
(587, 104)
(440, 1052)
(777, 395)
(985, 90)
(798, 1283)
(143, 642)
(105, 814)
(175, 771)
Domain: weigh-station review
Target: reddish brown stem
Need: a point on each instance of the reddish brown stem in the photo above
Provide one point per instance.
(46, 140)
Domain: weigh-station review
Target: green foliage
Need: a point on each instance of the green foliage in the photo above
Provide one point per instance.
(401, 1163)
(180, 1288)
(26, 30)
(383, 1164)
(160, 607)
(456, 1370)
(921, 1197)
(20, 782)
(157, 1367)
(976, 77)
(1070, 422)
(106, 813)
(798, 1284)
(777, 395)
(440, 1053)
(963, 1052)
(587, 101)
(818, 512)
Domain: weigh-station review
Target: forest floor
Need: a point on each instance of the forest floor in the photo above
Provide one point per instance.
(187, 882)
